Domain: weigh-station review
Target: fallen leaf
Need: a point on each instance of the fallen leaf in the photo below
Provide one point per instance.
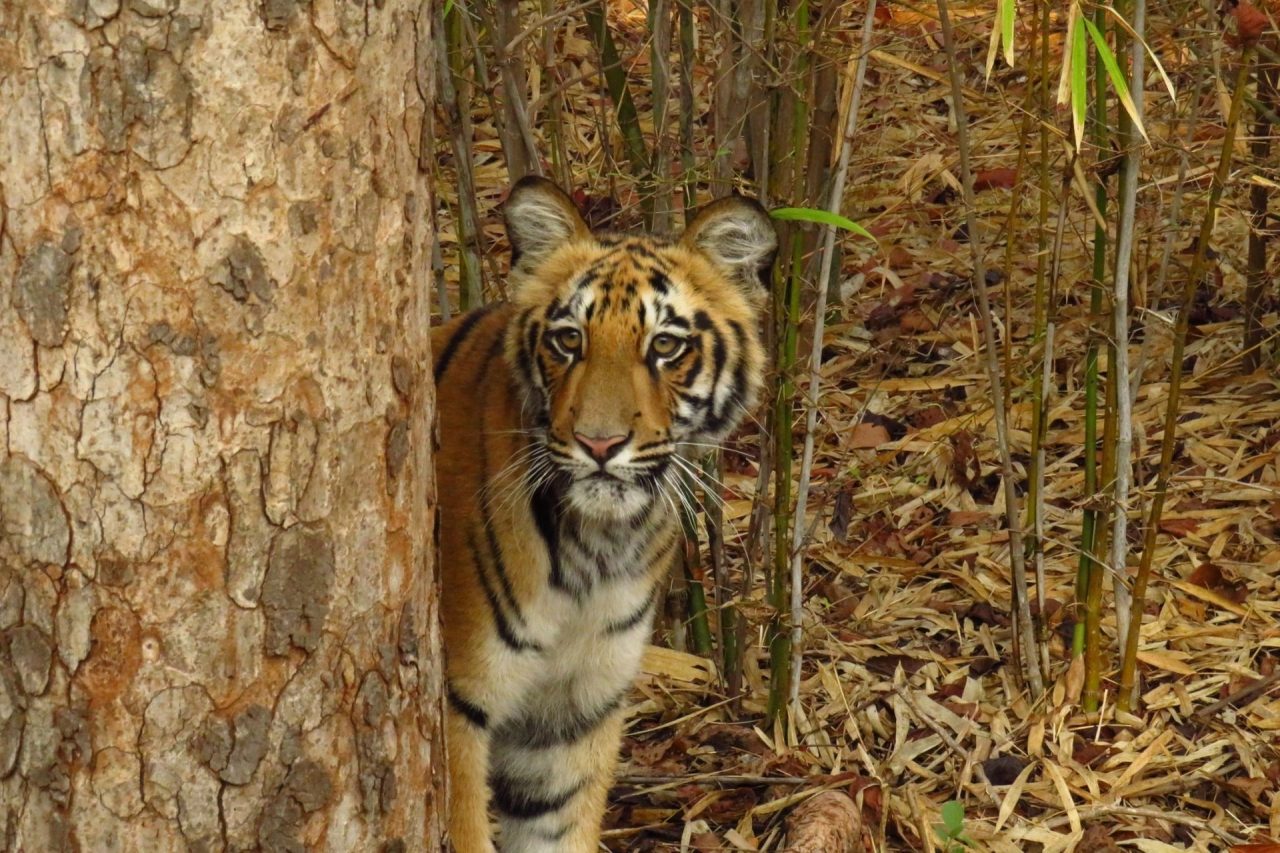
(866, 435)
(1179, 527)
(988, 179)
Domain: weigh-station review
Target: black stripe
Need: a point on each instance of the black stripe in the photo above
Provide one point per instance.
(659, 282)
(543, 505)
(505, 631)
(499, 565)
(464, 331)
(572, 725)
(633, 620)
(514, 799)
(670, 318)
(474, 713)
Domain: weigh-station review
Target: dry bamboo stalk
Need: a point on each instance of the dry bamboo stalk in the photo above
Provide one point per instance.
(1260, 231)
(1030, 658)
(1128, 670)
(815, 359)
(454, 101)
(518, 143)
(660, 27)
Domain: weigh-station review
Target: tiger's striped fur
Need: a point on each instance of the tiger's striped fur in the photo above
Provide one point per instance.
(561, 419)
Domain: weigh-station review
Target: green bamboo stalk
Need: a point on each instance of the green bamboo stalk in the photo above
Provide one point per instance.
(1087, 637)
(691, 559)
(787, 301)
(713, 516)
(690, 180)
(1128, 669)
(451, 72)
(615, 77)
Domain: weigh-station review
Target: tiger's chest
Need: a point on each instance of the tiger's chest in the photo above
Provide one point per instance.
(591, 625)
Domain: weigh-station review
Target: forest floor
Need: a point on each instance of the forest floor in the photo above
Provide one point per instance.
(910, 697)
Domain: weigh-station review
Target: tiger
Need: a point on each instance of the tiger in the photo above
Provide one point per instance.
(562, 417)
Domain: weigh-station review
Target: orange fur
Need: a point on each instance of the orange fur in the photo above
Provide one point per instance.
(552, 553)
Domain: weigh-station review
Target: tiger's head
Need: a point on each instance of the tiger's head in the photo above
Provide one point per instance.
(631, 348)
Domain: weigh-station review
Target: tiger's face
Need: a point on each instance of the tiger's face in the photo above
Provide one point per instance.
(631, 349)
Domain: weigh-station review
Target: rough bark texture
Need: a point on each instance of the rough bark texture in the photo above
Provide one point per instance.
(217, 608)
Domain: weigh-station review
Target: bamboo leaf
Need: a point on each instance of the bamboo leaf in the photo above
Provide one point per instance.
(1079, 79)
(1008, 10)
(1168, 84)
(993, 48)
(1117, 76)
(821, 217)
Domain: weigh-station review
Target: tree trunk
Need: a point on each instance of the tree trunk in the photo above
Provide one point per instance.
(217, 599)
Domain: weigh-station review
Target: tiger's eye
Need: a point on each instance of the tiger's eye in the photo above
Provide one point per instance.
(569, 339)
(666, 345)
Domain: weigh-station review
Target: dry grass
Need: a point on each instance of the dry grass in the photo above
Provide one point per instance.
(909, 698)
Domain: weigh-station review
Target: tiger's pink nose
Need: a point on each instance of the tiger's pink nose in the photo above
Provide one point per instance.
(601, 449)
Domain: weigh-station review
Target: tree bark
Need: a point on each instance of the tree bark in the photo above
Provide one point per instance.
(217, 602)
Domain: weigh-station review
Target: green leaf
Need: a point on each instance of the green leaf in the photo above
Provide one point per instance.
(822, 217)
(448, 7)
(953, 817)
(1008, 8)
(1168, 84)
(1117, 77)
(1079, 74)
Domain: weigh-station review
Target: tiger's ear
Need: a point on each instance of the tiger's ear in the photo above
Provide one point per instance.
(540, 218)
(737, 236)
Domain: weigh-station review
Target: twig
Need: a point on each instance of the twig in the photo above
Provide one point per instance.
(834, 204)
(1030, 659)
(1241, 697)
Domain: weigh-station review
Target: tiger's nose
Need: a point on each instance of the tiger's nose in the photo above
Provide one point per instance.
(602, 449)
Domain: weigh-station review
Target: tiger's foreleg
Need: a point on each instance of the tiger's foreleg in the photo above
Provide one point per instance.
(551, 799)
(468, 741)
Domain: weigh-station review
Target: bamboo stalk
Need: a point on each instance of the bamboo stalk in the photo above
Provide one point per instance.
(660, 53)
(1119, 370)
(689, 177)
(558, 149)
(624, 108)
(450, 64)
(1013, 517)
(713, 517)
(1128, 669)
(1090, 570)
(1166, 253)
(518, 143)
(787, 307)
(834, 204)
(698, 623)
(1260, 230)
